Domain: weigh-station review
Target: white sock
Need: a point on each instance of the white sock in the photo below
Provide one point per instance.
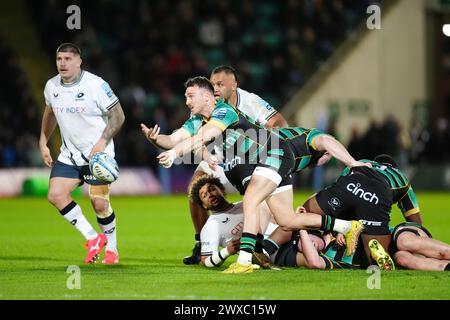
(108, 226)
(72, 213)
(245, 257)
(342, 226)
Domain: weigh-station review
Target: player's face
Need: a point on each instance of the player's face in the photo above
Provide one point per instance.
(211, 196)
(195, 99)
(68, 65)
(224, 85)
(317, 242)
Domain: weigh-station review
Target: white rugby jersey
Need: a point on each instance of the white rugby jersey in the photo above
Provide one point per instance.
(254, 106)
(80, 109)
(222, 227)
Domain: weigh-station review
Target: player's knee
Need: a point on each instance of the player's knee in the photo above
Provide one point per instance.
(55, 197)
(100, 206)
(444, 253)
(402, 258)
(407, 241)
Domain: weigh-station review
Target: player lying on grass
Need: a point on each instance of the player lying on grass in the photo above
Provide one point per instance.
(367, 194)
(262, 165)
(224, 226)
(313, 250)
(413, 248)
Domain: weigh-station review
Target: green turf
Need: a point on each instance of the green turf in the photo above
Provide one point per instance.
(154, 233)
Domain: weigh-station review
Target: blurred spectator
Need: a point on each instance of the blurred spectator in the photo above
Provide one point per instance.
(147, 49)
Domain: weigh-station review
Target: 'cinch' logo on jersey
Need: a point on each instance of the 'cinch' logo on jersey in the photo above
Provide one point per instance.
(366, 196)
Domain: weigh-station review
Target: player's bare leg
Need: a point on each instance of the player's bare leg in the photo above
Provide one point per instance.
(408, 241)
(59, 196)
(408, 260)
(257, 191)
(100, 200)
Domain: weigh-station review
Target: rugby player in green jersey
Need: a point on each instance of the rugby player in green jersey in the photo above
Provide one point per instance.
(258, 162)
(365, 194)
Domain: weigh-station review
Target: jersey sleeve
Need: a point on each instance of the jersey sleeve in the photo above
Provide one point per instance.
(104, 95)
(47, 95)
(223, 116)
(262, 109)
(311, 136)
(209, 237)
(408, 204)
(192, 125)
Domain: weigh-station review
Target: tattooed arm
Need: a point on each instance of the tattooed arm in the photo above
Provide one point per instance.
(116, 118)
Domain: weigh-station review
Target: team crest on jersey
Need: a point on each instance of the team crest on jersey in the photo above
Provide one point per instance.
(334, 203)
(79, 96)
(220, 113)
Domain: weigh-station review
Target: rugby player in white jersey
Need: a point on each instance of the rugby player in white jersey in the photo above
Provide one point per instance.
(224, 79)
(224, 226)
(89, 115)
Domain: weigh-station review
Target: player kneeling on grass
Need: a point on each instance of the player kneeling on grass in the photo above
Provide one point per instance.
(224, 226)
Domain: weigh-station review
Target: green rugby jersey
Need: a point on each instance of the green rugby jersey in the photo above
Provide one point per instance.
(301, 142)
(402, 190)
(242, 145)
(239, 144)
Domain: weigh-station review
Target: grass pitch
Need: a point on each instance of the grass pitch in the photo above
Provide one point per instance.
(154, 233)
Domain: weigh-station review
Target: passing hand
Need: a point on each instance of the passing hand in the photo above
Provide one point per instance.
(167, 158)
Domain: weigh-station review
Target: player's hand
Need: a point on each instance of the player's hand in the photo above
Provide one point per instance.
(150, 134)
(300, 209)
(340, 239)
(360, 164)
(324, 159)
(46, 156)
(233, 246)
(167, 158)
(98, 147)
(213, 162)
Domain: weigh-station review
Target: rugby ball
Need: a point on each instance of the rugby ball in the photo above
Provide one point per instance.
(104, 167)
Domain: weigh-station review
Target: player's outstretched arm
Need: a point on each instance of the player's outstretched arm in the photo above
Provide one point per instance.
(161, 140)
(47, 128)
(310, 253)
(204, 135)
(327, 143)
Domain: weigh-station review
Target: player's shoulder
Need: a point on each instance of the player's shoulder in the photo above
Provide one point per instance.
(53, 82)
(222, 108)
(246, 100)
(90, 78)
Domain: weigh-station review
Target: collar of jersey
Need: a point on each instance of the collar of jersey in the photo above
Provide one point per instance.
(73, 83)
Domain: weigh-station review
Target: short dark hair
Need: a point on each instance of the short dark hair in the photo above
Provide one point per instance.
(226, 69)
(385, 158)
(194, 191)
(200, 82)
(69, 47)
